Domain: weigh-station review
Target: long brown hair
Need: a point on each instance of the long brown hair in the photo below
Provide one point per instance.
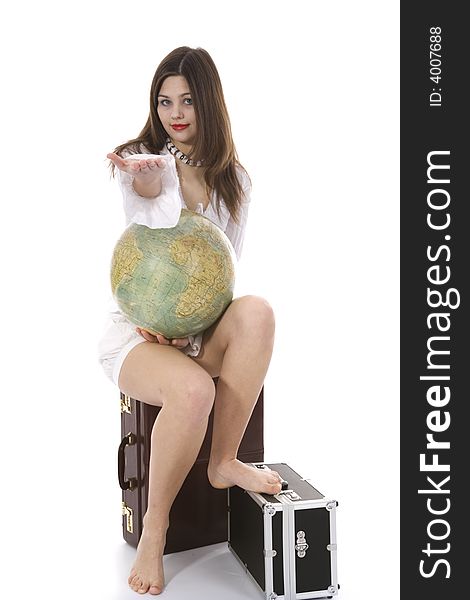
(214, 143)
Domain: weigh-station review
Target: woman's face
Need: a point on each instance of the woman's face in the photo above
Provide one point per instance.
(176, 111)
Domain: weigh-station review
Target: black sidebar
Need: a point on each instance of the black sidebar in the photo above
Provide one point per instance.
(435, 270)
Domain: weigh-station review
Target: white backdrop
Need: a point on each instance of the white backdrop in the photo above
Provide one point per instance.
(313, 93)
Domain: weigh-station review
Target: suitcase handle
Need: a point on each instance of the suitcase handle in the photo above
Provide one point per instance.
(130, 484)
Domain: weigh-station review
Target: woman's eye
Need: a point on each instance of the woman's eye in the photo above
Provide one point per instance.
(188, 100)
(163, 102)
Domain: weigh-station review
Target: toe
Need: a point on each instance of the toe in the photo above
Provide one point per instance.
(274, 479)
(136, 583)
(131, 576)
(155, 589)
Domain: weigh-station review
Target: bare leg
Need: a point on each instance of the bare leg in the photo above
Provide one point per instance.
(148, 374)
(239, 350)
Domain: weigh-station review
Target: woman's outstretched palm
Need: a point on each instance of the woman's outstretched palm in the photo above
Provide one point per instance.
(145, 169)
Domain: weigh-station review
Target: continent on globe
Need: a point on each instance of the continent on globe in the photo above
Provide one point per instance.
(125, 262)
(174, 281)
(207, 271)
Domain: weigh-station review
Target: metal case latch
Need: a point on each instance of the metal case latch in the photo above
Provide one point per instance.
(301, 545)
(291, 495)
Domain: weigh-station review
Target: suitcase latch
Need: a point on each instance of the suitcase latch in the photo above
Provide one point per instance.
(289, 494)
(301, 545)
(127, 512)
(126, 404)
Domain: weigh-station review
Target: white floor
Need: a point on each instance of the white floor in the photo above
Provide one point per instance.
(210, 573)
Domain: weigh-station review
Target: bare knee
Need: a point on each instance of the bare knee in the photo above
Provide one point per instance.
(254, 316)
(194, 396)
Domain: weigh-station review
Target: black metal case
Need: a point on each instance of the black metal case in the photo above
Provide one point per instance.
(286, 542)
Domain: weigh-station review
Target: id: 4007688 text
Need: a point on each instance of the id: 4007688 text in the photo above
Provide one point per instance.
(435, 62)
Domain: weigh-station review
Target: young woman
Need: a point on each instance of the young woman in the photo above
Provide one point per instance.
(185, 158)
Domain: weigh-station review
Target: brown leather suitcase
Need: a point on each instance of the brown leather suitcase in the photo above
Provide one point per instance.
(199, 513)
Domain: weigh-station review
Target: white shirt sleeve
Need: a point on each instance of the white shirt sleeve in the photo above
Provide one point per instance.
(236, 231)
(163, 210)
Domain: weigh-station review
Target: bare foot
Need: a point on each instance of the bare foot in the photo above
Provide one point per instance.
(234, 472)
(147, 572)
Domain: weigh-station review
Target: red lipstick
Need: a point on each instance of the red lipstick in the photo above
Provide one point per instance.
(179, 127)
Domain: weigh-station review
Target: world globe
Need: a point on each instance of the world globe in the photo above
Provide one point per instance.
(173, 281)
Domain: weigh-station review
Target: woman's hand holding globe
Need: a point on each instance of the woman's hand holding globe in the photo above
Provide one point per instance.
(160, 339)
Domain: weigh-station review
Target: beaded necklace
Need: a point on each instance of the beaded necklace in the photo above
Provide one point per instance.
(172, 149)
